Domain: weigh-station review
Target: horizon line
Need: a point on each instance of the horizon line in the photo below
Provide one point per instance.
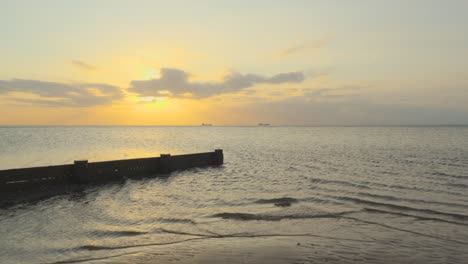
(243, 125)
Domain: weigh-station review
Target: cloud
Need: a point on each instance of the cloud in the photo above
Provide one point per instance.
(315, 45)
(60, 94)
(331, 92)
(83, 65)
(178, 84)
(346, 105)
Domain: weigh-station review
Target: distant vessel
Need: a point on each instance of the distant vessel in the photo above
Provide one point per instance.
(263, 124)
(203, 124)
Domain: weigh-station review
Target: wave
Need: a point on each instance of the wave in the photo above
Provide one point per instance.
(401, 207)
(282, 202)
(169, 220)
(401, 187)
(271, 217)
(322, 201)
(338, 182)
(417, 217)
(266, 217)
(127, 233)
(392, 198)
(458, 185)
(450, 175)
(370, 185)
(175, 232)
(121, 233)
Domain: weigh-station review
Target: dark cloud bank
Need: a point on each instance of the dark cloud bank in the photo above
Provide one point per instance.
(178, 84)
(62, 94)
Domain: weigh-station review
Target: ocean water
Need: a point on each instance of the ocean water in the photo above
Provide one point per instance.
(284, 195)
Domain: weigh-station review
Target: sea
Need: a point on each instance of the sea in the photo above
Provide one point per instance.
(283, 195)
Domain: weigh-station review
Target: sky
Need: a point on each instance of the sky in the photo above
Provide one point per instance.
(318, 63)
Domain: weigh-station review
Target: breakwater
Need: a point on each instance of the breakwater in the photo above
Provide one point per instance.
(84, 172)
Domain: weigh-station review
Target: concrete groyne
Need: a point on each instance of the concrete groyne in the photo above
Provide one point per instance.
(84, 172)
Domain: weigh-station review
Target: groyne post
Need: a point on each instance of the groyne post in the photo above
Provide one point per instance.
(165, 163)
(80, 172)
(218, 157)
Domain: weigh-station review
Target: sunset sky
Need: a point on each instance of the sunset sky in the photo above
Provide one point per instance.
(233, 62)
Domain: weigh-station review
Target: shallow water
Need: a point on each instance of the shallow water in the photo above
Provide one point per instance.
(284, 195)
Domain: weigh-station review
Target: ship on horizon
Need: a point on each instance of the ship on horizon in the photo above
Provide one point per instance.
(263, 124)
(205, 124)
